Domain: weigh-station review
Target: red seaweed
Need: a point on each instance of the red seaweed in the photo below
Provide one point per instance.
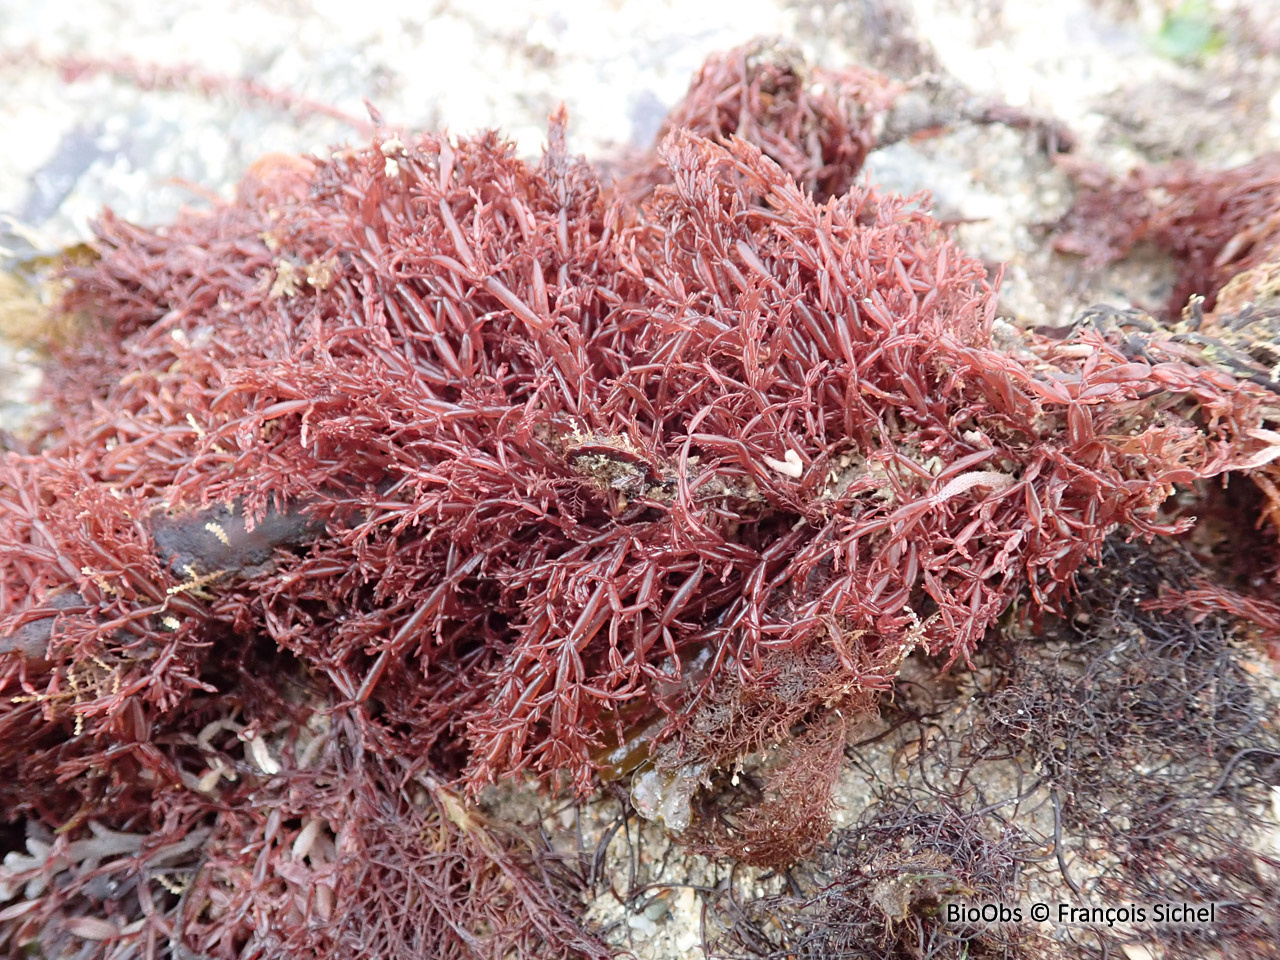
(1214, 223)
(489, 465)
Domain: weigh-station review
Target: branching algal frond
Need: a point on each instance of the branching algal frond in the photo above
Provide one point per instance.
(511, 465)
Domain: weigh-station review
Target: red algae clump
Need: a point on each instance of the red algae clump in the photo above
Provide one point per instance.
(424, 465)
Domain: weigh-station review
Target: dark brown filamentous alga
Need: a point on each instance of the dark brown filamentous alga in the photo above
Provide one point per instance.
(521, 452)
